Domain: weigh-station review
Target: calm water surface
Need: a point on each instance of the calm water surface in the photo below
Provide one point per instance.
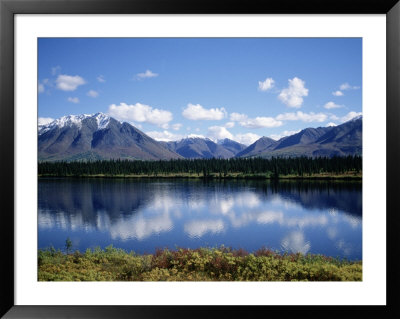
(142, 215)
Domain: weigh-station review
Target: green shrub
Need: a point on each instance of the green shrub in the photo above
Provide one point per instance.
(203, 264)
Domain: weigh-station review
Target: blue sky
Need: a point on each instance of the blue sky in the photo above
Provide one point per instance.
(170, 88)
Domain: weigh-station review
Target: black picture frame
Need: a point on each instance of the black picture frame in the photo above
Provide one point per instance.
(8, 8)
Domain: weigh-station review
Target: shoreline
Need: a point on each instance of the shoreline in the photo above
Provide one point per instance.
(339, 177)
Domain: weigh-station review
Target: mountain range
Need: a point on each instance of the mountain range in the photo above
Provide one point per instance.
(99, 136)
(341, 140)
(94, 137)
(196, 147)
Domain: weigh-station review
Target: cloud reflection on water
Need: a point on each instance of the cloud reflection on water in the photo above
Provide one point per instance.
(295, 242)
(139, 211)
(198, 228)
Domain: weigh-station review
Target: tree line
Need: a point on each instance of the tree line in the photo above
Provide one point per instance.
(299, 166)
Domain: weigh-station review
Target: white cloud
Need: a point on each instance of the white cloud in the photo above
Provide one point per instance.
(55, 70)
(330, 124)
(197, 112)
(73, 100)
(218, 133)
(40, 88)
(277, 137)
(350, 116)
(93, 93)
(300, 116)
(146, 75)
(292, 96)
(42, 85)
(165, 136)
(347, 86)
(266, 85)
(247, 138)
(165, 126)
(333, 117)
(229, 124)
(101, 79)
(259, 122)
(139, 113)
(176, 126)
(238, 117)
(337, 93)
(332, 105)
(44, 120)
(68, 82)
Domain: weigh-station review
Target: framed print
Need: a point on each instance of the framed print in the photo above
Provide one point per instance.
(176, 159)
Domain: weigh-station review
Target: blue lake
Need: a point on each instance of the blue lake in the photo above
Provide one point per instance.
(144, 214)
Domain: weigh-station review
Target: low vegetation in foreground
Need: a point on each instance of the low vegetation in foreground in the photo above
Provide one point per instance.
(203, 264)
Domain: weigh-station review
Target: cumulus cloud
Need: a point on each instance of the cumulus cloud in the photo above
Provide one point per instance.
(92, 93)
(266, 85)
(176, 126)
(164, 126)
(218, 133)
(42, 85)
(277, 137)
(292, 96)
(73, 100)
(165, 136)
(347, 86)
(350, 116)
(101, 79)
(300, 116)
(238, 117)
(55, 70)
(259, 122)
(146, 75)
(229, 124)
(332, 105)
(68, 82)
(139, 113)
(337, 93)
(198, 112)
(41, 88)
(247, 138)
(44, 120)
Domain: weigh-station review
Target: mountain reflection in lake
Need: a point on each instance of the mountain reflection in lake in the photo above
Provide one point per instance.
(142, 215)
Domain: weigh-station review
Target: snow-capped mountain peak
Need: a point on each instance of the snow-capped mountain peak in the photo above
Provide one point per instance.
(102, 120)
(195, 136)
(358, 117)
(75, 120)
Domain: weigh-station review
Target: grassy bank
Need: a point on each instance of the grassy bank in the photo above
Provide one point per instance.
(319, 176)
(204, 264)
